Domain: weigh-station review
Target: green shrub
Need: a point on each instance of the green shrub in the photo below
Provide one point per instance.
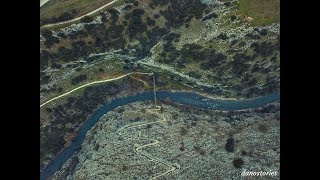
(86, 19)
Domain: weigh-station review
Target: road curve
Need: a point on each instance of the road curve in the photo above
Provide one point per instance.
(80, 17)
(137, 148)
(91, 83)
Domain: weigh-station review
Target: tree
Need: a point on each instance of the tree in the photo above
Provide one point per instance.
(150, 22)
(114, 15)
(136, 25)
(216, 59)
(239, 65)
(222, 36)
(233, 17)
(44, 59)
(78, 79)
(46, 33)
(86, 19)
(263, 32)
(264, 49)
(49, 38)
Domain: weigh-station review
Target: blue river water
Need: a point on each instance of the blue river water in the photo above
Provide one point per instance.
(185, 98)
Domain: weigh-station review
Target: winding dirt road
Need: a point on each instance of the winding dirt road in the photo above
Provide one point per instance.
(92, 83)
(80, 17)
(138, 148)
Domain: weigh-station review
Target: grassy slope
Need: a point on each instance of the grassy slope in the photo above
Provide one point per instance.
(263, 12)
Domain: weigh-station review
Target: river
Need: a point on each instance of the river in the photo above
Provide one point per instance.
(185, 98)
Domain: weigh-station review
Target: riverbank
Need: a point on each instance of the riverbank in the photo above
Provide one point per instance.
(182, 98)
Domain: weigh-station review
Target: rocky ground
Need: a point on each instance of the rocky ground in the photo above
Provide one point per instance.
(200, 144)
